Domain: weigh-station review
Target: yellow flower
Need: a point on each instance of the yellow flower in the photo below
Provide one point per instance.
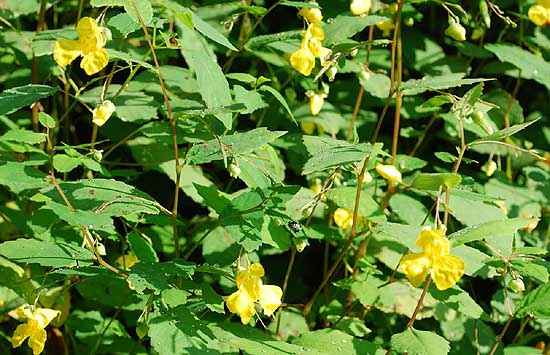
(389, 172)
(367, 178)
(446, 269)
(312, 15)
(343, 218)
(540, 14)
(386, 27)
(303, 61)
(103, 112)
(489, 168)
(89, 45)
(316, 103)
(360, 7)
(37, 320)
(251, 290)
(456, 30)
(127, 261)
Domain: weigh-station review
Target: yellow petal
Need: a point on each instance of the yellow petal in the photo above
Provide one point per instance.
(44, 316)
(446, 271)
(538, 14)
(128, 260)
(385, 27)
(37, 340)
(315, 30)
(415, 267)
(360, 7)
(303, 61)
(65, 51)
(87, 27)
(241, 303)
(314, 45)
(94, 61)
(389, 172)
(343, 218)
(312, 15)
(248, 280)
(315, 104)
(270, 298)
(21, 333)
(100, 115)
(544, 3)
(433, 242)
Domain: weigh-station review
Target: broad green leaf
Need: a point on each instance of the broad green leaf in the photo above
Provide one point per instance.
(417, 86)
(434, 181)
(142, 248)
(262, 167)
(333, 341)
(158, 276)
(238, 143)
(18, 177)
(537, 303)
(212, 300)
(178, 332)
(143, 6)
(123, 23)
(64, 163)
(489, 229)
(251, 99)
(345, 26)
(328, 153)
(535, 269)
(345, 197)
(89, 219)
(24, 136)
(459, 300)
(503, 133)
(414, 341)
(212, 84)
(259, 42)
(46, 120)
(54, 254)
(208, 31)
(13, 99)
(277, 95)
(531, 65)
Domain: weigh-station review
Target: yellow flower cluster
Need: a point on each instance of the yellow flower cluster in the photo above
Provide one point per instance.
(251, 290)
(303, 60)
(37, 320)
(445, 269)
(539, 14)
(89, 45)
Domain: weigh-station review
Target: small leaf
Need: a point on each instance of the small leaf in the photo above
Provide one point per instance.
(537, 303)
(503, 133)
(434, 181)
(46, 120)
(64, 163)
(493, 228)
(414, 341)
(279, 98)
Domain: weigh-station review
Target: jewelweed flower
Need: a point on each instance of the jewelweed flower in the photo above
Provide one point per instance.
(127, 260)
(445, 269)
(251, 290)
(360, 7)
(343, 218)
(539, 14)
(103, 112)
(303, 61)
(386, 27)
(456, 30)
(389, 172)
(316, 102)
(89, 45)
(312, 15)
(37, 320)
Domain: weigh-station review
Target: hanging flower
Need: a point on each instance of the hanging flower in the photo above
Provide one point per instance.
(343, 218)
(37, 320)
(445, 269)
(103, 112)
(127, 260)
(312, 15)
(389, 172)
(539, 14)
(316, 102)
(456, 30)
(303, 61)
(89, 45)
(251, 290)
(360, 7)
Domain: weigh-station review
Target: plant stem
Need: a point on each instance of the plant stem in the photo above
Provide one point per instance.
(34, 74)
(173, 132)
(501, 335)
(285, 285)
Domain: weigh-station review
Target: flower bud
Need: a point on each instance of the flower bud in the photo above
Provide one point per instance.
(456, 30)
(354, 52)
(312, 15)
(234, 170)
(331, 73)
(316, 102)
(389, 172)
(103, 112)
(516, 285)
(360, 7)
(489, 168)
(367, 178)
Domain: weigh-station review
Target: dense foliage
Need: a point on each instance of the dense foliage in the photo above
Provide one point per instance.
(274, 177)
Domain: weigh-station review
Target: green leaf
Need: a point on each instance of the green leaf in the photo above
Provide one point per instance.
(142, 247)
(212, 84)
(31, 251)
(530, 65)
(208, 31)
(13, 99)
(19, 177)
(503, 133)
(64, 163)
(459, 300)
(345, 26)
(179, 332)
(414, 341)
(281, 100)
(124, 24)
(533, 268)
(77, 217)
(328, 153)
(300, 4)
(433, 182)
(537, 303)
(489, 229)
(46, 120)
(251, 99)
(24, 136)
(345, 197)
(158, 276)
(213, 301)
(333, 341)
(417, 86)
(238, 143)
